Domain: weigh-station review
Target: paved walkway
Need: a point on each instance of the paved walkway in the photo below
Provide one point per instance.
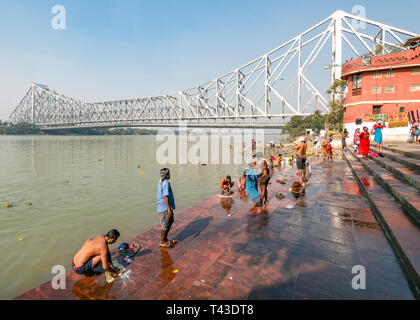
(230, 250)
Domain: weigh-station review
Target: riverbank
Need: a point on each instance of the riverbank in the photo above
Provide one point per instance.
(228, 249)
(79, 187)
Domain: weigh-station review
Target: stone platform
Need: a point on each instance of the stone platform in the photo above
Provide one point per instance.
(394, 194)
(291, 249)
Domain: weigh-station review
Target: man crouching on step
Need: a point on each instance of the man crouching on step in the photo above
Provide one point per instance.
(94, 257)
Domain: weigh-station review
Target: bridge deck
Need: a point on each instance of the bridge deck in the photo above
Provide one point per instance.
(277, 253)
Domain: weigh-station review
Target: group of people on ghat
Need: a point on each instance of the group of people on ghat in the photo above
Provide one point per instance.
(94, 257)
(256, 178)
(323, 145)
(361, 139)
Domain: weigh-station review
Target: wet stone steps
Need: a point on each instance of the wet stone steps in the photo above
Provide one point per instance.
(405, 194)
(399, 170)
(407, 153)
(403, 235)
(409, 162)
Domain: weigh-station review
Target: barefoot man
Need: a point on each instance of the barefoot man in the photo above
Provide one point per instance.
(165, 206)
(301, 158)
(94, 257)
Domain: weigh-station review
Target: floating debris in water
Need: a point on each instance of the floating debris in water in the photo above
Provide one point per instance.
(20, 239)
(138, 166)
(100, 160)
(141, 172)
(7, 205)
(29, 203)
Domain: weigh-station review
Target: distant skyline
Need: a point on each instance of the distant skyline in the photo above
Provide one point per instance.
(127, 49)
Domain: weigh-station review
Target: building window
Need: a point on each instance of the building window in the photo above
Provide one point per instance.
(415, 72)
(376, 90)
(377, 75)
(402, 109)
(357, 81)
(376, 110)
(389, 89)
(390, 74)
(414, 87)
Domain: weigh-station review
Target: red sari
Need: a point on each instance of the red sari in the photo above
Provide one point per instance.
(364, 143)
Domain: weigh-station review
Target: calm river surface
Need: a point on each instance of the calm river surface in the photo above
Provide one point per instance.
(65, 189)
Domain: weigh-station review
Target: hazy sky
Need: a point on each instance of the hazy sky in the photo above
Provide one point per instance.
(126, 48)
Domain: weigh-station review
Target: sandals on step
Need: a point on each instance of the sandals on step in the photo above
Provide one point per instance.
(169, 244)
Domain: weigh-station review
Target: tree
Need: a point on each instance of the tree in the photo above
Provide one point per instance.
(20, 128)
(316, 121)
(297, 125)
(336, 115)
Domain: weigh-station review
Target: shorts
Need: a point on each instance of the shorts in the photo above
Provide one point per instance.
(86, 269)
(165, 221)
(343, 142)
(301, 163)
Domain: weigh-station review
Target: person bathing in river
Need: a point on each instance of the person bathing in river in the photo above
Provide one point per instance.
(165, 206)
(252, 182)
(264, 180)
(226, 185)
(94, 257)
(242, 182)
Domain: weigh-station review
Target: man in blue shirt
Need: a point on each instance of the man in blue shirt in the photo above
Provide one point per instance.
(165, 207)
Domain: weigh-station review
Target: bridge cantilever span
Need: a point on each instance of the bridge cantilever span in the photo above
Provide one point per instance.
(254, 95)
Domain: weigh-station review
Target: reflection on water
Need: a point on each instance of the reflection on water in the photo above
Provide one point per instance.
(168, 269)
(79, 187)
(226, 204)
(243, 195)
(89, 289)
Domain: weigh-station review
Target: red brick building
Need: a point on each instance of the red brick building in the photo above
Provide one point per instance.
(383, 87)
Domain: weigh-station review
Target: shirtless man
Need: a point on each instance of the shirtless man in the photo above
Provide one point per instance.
(264, 180)
(225, 185)
(94, 257)
(301, 158)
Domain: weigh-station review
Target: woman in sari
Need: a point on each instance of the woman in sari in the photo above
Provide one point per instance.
(251, 184)
(364, 144)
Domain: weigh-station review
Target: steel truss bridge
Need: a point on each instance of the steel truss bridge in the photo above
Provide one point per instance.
(262, 93)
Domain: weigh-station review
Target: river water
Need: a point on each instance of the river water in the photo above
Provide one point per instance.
(66, 189)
